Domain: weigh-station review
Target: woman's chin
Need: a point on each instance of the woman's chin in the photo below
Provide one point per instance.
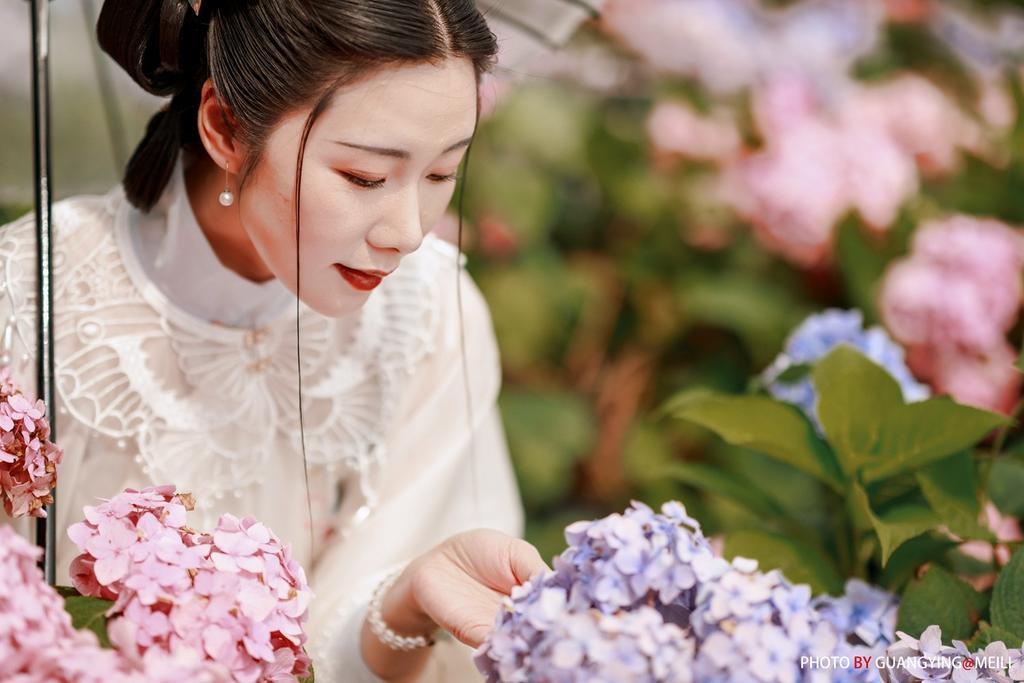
(338, 305)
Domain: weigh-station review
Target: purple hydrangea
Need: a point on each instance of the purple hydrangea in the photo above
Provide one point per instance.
(539, 638)
(640, 597)
(819, 334)
(624, 560)
(616, 608)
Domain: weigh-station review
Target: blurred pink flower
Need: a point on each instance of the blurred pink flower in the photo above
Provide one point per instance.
(772, 189)
(731, 44)
(879, 177)
(676, 128)
(714, 39)
(497, 238)
(952, 303)
(908, 11)
(920, 117)
(990, 381)
(784, 103)
(28, 460)
(996, 105)
(493, 89)
(961, 287)
(849, 165)
(1006, 529)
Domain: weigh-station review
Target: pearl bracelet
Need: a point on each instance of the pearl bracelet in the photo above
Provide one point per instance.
(381, 630)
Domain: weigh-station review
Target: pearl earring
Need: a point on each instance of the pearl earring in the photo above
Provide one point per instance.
(226, 197)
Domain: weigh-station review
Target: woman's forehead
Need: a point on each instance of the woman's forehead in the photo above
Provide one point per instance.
(414, 107)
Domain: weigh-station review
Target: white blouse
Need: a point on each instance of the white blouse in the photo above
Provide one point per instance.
(170, 368)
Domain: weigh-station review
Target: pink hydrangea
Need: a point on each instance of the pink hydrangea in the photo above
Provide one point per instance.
(28, 460)
(1006, 529)
(851, 165)
(925, 122)
(769, 188)
(709, 39)
(952, 303)
(38, 643)
(237, 596)
(31, 614)
(675, 128)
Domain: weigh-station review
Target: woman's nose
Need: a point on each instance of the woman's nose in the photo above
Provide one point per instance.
(401, 229)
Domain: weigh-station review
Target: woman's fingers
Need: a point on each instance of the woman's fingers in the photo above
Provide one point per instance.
(524, 560)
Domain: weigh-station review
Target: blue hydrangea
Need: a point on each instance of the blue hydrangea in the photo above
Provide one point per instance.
(819, 334)
(913, 660)
(865, 617)
(756, 626)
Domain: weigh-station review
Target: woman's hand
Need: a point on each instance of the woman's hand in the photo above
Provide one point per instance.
(457, 586)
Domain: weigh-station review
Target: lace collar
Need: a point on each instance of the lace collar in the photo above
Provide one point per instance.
(178, 260)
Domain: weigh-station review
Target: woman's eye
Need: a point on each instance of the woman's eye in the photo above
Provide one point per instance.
(361, 181)
(444, 178)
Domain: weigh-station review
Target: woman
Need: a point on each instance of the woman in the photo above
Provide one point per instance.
(306, 152)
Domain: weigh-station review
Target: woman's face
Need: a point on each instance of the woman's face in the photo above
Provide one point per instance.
(379, 172)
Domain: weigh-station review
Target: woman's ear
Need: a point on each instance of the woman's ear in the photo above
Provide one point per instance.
(217, 130)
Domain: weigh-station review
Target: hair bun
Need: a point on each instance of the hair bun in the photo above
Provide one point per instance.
(150, 40)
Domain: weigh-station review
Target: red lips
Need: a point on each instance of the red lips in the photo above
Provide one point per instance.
(363, 280)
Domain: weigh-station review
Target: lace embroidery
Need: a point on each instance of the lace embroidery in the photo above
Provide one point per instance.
(131, 366)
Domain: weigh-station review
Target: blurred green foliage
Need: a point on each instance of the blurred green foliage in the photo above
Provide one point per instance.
(624, 282)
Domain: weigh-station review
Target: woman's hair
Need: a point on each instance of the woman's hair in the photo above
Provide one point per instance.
(268, 58)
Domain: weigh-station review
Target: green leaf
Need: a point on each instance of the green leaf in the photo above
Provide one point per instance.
(760, 313)
(871, 429)
(794, 373)
(896, 524)
(938, 598)
(548, 433)
(1008, 597)
(89, 613)
(949, 487)
(1006, 486)
(800, 562)
(990, 634)
(860, 265)
(721, 483)
(776, 429)
(912, 554)
(853, 394)
(66, 591)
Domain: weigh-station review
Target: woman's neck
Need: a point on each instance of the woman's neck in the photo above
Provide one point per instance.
(222, 225)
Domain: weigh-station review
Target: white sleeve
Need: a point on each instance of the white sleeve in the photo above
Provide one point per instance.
(442, 476)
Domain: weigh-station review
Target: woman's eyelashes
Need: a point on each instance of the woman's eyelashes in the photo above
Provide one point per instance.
(360, 181)
(371, 183)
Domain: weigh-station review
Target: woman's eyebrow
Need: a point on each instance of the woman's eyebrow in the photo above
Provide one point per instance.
(399, 153)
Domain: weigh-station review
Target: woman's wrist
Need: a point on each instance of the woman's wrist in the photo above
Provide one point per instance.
(401, 613)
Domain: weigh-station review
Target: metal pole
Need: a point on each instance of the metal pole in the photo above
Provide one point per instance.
(46, 529)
